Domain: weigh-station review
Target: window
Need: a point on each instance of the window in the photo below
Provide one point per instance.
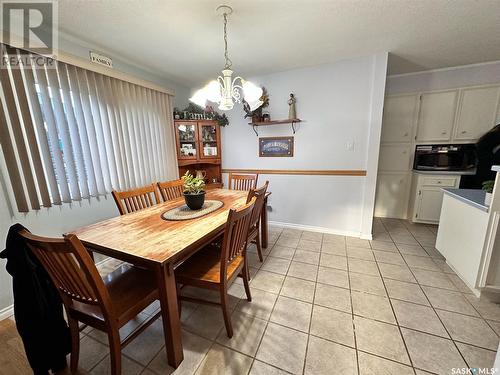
(68, 134)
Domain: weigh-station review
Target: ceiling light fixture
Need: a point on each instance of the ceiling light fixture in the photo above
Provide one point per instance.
(225, 90)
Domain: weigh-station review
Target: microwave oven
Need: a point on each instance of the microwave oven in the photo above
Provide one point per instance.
(445, 157)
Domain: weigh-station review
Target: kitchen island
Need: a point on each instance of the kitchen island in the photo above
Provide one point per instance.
(473, 197)
(462, 231)
(467, 236)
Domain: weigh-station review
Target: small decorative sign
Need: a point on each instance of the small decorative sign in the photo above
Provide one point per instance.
(276, 146)
(101, 59)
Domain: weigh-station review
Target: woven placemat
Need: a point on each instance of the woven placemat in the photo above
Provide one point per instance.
(185, 213)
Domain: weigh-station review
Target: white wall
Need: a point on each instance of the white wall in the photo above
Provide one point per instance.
(59, 219)
(442, 79)
(339, 103)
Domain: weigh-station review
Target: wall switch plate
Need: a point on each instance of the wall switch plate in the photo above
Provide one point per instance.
(349, 145)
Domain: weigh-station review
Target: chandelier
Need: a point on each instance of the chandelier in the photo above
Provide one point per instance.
(226, 90)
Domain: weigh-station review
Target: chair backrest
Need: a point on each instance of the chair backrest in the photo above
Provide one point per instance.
(171, 189)
(242, 181)
(235, 235)
(136, 199)
(260, 196)
(71, 269)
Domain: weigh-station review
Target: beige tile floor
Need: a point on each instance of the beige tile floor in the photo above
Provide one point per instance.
(325, 304)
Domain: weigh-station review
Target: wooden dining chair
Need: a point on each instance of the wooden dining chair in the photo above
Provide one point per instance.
(106, 304)
(242, 181)
(216, 268)
(136, 199)
(171, 189)
(254, 231)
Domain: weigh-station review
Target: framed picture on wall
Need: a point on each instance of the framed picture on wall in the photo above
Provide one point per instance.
(276, 146)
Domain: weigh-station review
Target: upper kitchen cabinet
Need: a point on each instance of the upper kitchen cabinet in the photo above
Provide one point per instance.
(399, 115)
(477, 113)
(436, 116)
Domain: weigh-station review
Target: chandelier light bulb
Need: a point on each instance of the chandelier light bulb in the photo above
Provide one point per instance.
(251, 92)
(255, 104)
(199, 98)
(213, 91)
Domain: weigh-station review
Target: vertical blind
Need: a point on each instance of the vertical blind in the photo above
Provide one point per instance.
(68, 133)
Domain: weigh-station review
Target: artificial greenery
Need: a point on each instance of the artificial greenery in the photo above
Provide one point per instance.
(221, 119)
(209, 111)
(192, 185)
(488, 186)
(193, 108)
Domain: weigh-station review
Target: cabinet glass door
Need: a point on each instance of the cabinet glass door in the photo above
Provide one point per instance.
(209, 141)
(186, 140)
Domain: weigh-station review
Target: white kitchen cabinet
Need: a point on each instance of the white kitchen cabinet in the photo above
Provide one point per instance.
(427, 195)
(436, 116)
(477, 113)
(392, 195)
(394, 157)
(450, 116)
(429, 204)
(399, 115)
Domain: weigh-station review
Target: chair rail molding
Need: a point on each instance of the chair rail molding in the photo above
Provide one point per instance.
(306, 172)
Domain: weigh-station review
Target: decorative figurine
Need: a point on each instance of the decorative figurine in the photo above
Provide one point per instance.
(177, 115)
(292, 113)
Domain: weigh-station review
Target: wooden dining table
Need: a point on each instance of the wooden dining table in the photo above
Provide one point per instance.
(145, 239)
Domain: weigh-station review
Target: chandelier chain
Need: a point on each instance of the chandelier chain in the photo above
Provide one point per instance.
(226, 54)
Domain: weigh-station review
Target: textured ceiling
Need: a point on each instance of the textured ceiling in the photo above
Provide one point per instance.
(182, 39)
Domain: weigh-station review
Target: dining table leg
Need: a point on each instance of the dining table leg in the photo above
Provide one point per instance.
(170, 314)
(264, 233)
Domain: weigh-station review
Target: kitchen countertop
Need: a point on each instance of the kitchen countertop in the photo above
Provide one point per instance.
(454, 173)
(474, 197)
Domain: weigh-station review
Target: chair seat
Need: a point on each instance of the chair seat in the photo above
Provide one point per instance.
(204, 266)
(126, 285)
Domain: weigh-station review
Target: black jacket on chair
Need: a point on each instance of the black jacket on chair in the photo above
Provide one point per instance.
(38, 308)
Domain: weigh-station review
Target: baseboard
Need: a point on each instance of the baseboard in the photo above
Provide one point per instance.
(8, 311)
(391, 217)
(321, 229)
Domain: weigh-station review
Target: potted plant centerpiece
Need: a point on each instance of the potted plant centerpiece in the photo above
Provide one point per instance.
(488, 188)
(194, 195)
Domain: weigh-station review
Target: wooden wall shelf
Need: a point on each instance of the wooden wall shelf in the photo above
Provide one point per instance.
(274, 122)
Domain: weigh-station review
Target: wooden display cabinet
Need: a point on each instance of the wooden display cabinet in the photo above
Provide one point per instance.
(199, 148)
